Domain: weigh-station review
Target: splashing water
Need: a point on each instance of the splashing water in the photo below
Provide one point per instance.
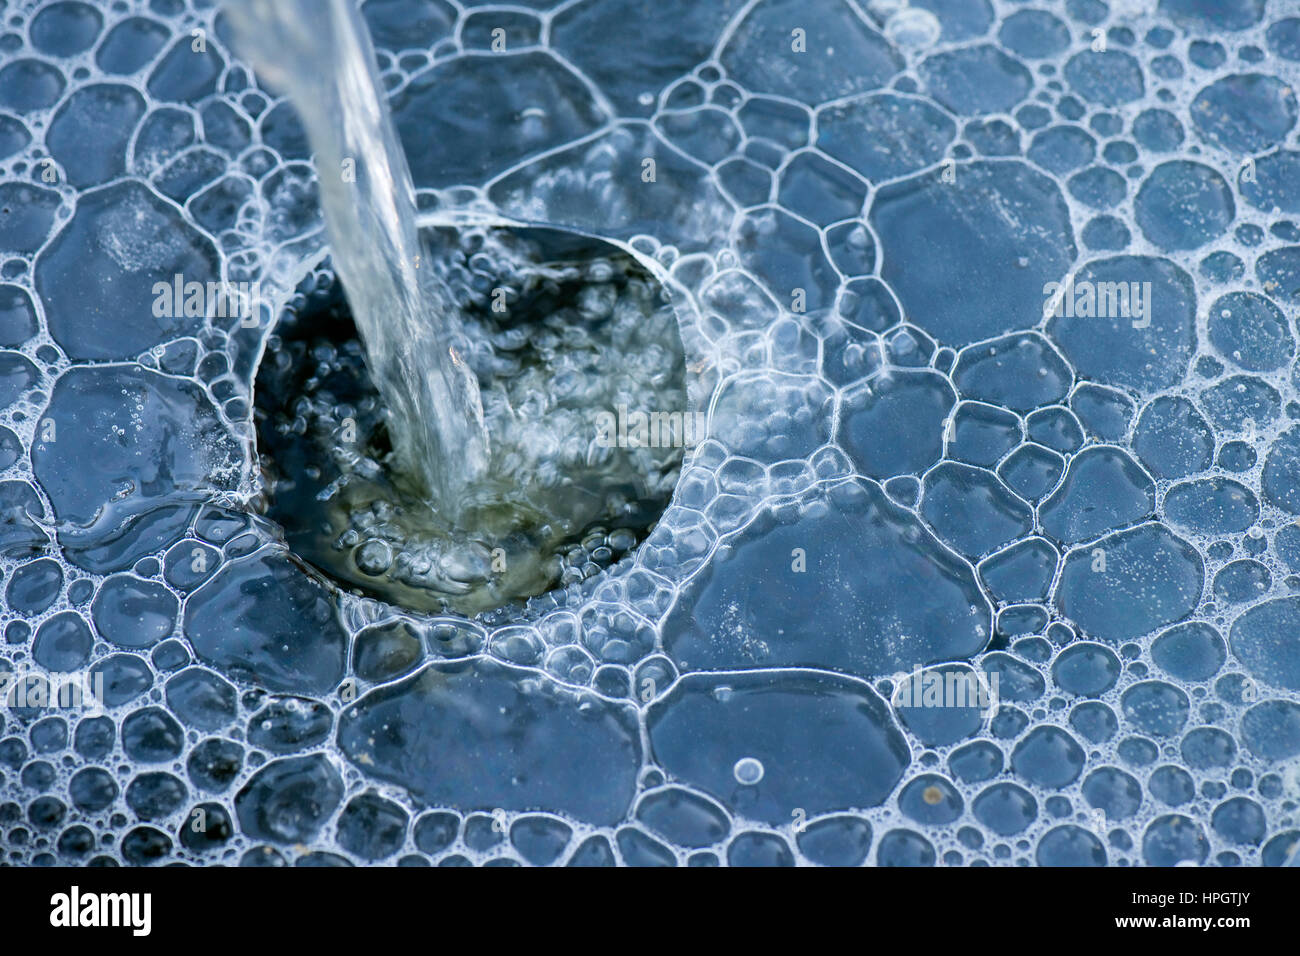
(405, 314)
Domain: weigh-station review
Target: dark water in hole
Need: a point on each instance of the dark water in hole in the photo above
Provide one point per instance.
(565, 330)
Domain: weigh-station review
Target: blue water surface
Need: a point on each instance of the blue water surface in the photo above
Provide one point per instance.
(916, 476)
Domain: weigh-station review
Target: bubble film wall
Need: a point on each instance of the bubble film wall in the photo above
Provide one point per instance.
(992, 306)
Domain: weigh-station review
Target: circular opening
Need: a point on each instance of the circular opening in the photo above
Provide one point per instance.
(582, 374)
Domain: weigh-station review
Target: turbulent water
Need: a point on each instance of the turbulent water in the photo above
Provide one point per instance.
(864, 214)
(563, 333)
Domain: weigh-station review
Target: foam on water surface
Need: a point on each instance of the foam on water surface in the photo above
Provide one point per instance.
(912, 462)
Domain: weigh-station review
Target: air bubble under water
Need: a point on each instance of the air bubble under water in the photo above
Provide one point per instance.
(910, 468)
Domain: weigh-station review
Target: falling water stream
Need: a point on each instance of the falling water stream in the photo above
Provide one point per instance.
(377, 453)
(318, 52)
